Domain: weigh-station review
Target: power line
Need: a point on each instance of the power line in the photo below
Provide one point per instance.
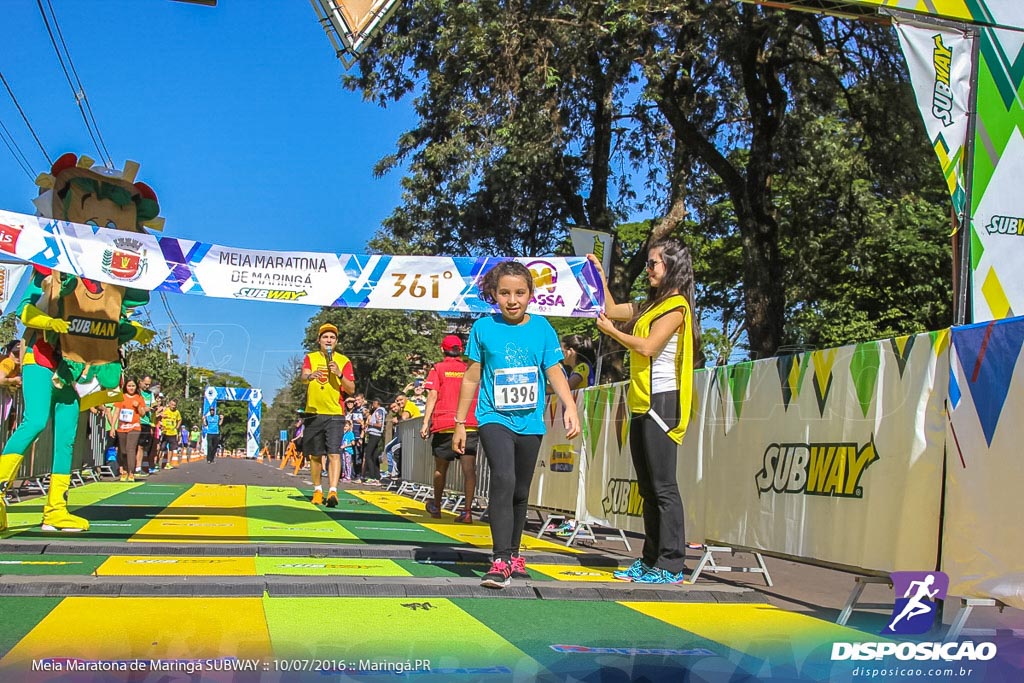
(15, 151)
(79, 93)
(174, 321)
(25, 119)
(81, 88)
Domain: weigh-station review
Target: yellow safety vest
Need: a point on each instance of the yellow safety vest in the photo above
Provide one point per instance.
(638, 398)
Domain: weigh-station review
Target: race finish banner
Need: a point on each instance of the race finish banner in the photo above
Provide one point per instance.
(563, 286)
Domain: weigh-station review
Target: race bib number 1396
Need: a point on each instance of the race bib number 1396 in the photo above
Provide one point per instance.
(516, 388)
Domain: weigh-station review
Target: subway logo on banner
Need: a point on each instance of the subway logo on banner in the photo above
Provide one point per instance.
(277, 294)
(942, 92)
(90, 327)
(1005, 225)
(815, 469)
(622, 497)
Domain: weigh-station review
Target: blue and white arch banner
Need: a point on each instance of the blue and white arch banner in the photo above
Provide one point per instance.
(254, 415)
(564, 286)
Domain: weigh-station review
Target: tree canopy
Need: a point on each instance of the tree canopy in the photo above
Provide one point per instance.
(783, 147)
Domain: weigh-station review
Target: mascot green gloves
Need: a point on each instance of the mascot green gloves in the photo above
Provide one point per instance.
(75, 327)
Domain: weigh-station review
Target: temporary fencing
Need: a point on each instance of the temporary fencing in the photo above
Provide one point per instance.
(838, 456)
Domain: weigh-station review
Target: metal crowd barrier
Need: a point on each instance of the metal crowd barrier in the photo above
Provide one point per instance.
(418, 465)
(38, 463)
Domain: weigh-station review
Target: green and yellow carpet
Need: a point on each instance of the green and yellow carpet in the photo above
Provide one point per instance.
(236, 583)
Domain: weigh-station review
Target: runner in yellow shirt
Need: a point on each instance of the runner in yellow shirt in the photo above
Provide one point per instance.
(170, 423)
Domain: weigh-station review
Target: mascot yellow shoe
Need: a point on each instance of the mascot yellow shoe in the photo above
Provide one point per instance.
(55, 513)
(9, 466)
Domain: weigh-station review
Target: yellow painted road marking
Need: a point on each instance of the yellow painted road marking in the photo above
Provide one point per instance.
(391, 629)
(205, 512)
(146, 628)
(152, 565)
(328, 566)
(286, 515)
(476, 534)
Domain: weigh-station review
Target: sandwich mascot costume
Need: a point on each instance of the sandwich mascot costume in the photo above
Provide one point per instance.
(75, 326)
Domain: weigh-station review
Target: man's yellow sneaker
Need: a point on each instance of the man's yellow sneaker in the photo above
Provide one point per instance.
(318, 497)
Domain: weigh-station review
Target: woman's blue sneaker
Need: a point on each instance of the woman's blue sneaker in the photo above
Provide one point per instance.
(635, 571)
(656, 575)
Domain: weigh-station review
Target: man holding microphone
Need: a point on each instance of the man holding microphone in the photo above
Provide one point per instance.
(328, 377)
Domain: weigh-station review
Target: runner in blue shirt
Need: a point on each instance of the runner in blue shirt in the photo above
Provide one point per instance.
(513, 355)
(211, 424)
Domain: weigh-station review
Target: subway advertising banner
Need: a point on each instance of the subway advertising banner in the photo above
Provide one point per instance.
(556, 479)
(939, 61)
(997, 215)
(610, 496)
(834, 455)
(984, 463)
(568, 287)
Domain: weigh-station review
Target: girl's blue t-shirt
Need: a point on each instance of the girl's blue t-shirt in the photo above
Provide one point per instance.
(512, 360)
(348, 442)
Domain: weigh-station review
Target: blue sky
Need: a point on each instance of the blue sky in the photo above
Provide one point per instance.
(237, 116)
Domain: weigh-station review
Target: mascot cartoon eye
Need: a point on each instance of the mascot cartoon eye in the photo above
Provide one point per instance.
(95, 223)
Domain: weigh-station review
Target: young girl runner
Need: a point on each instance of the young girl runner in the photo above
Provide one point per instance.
(127, 414)
(513, 355)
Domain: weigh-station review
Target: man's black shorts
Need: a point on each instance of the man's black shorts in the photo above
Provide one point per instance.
(441, 445)
(172, 441)
(146, 438)
(322, 435)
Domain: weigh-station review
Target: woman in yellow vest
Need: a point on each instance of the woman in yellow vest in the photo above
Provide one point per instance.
(659, 339)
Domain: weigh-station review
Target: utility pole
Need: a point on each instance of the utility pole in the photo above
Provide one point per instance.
(169, 342)
(188, 359)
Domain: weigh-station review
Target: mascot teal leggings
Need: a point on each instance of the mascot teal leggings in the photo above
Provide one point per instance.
(41, 400)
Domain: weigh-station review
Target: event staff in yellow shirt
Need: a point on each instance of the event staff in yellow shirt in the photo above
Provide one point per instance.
(328, 377)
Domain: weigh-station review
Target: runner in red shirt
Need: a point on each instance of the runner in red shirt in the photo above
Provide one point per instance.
(443, 384)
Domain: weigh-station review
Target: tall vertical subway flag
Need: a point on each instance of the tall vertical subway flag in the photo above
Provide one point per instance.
(939, 60)
(563, 286)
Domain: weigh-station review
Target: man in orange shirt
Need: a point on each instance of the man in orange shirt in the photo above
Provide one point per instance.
(328, 377)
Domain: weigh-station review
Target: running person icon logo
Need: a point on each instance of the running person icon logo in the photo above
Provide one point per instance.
(914, 612)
